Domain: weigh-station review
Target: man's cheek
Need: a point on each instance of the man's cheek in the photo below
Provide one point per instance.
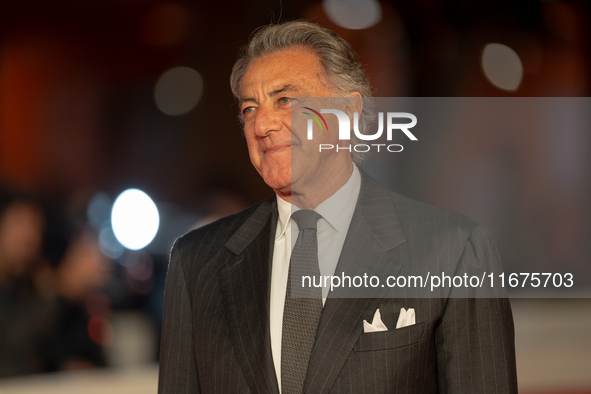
(255, 159)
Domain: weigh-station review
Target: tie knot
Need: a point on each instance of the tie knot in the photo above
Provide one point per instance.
(305, 218)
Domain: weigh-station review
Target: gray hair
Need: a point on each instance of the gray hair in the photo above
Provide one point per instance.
(342, 70)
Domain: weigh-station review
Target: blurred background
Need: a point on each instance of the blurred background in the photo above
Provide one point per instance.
(119, 133)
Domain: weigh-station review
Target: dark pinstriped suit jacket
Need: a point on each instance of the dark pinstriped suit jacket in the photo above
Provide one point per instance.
(216, 316)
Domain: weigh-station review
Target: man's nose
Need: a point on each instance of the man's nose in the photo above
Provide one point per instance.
(267, 121)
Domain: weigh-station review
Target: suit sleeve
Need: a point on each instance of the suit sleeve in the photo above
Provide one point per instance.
(178, 371)
(475, 340)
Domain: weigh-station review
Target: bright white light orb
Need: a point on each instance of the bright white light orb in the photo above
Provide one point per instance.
(502, 66)
(353, 14)
(135, 219)
(178, 90)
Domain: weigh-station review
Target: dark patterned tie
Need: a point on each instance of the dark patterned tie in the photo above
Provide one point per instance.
(300, 315)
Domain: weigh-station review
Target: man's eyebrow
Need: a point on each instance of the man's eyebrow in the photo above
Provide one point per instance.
(272, 93)
(248, 99)
(283, 89)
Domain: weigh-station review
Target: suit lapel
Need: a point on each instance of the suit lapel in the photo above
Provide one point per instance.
(369, 248)
(245, 284)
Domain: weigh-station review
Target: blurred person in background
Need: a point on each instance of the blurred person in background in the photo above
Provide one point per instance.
(22, 225)
(23, 315)
(78, 328)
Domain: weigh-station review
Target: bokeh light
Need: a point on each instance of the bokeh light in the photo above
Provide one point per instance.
(178, 90)
(502, 66)
(100, 330)
(99, 209)
(353, 14)
(135, 219)
(108, 243)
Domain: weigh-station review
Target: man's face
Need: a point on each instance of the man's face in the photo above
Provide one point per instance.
(268, 86)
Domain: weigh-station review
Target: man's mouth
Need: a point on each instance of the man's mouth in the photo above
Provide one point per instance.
(276, 148)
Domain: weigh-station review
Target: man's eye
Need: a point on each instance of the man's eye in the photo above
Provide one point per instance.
(247, 110)
(285, 100)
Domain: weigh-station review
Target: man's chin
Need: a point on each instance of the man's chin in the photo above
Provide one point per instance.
(282, 185)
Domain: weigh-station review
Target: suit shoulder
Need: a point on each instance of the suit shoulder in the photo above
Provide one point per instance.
(439, 237)
(218, 232)
(416, 214)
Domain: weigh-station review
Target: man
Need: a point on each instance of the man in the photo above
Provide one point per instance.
(229, 316)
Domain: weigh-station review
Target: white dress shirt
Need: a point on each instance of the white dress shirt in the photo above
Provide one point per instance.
(336, 212)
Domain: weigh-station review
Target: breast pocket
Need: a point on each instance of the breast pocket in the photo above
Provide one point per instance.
(391, 339)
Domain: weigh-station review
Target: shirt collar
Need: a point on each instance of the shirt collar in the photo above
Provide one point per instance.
(337, 209)
(284, 209)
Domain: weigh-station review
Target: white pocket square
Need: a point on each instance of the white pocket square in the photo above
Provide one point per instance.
(376, 324)
(406, 318)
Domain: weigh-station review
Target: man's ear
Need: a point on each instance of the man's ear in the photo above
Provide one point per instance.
(354, 104)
